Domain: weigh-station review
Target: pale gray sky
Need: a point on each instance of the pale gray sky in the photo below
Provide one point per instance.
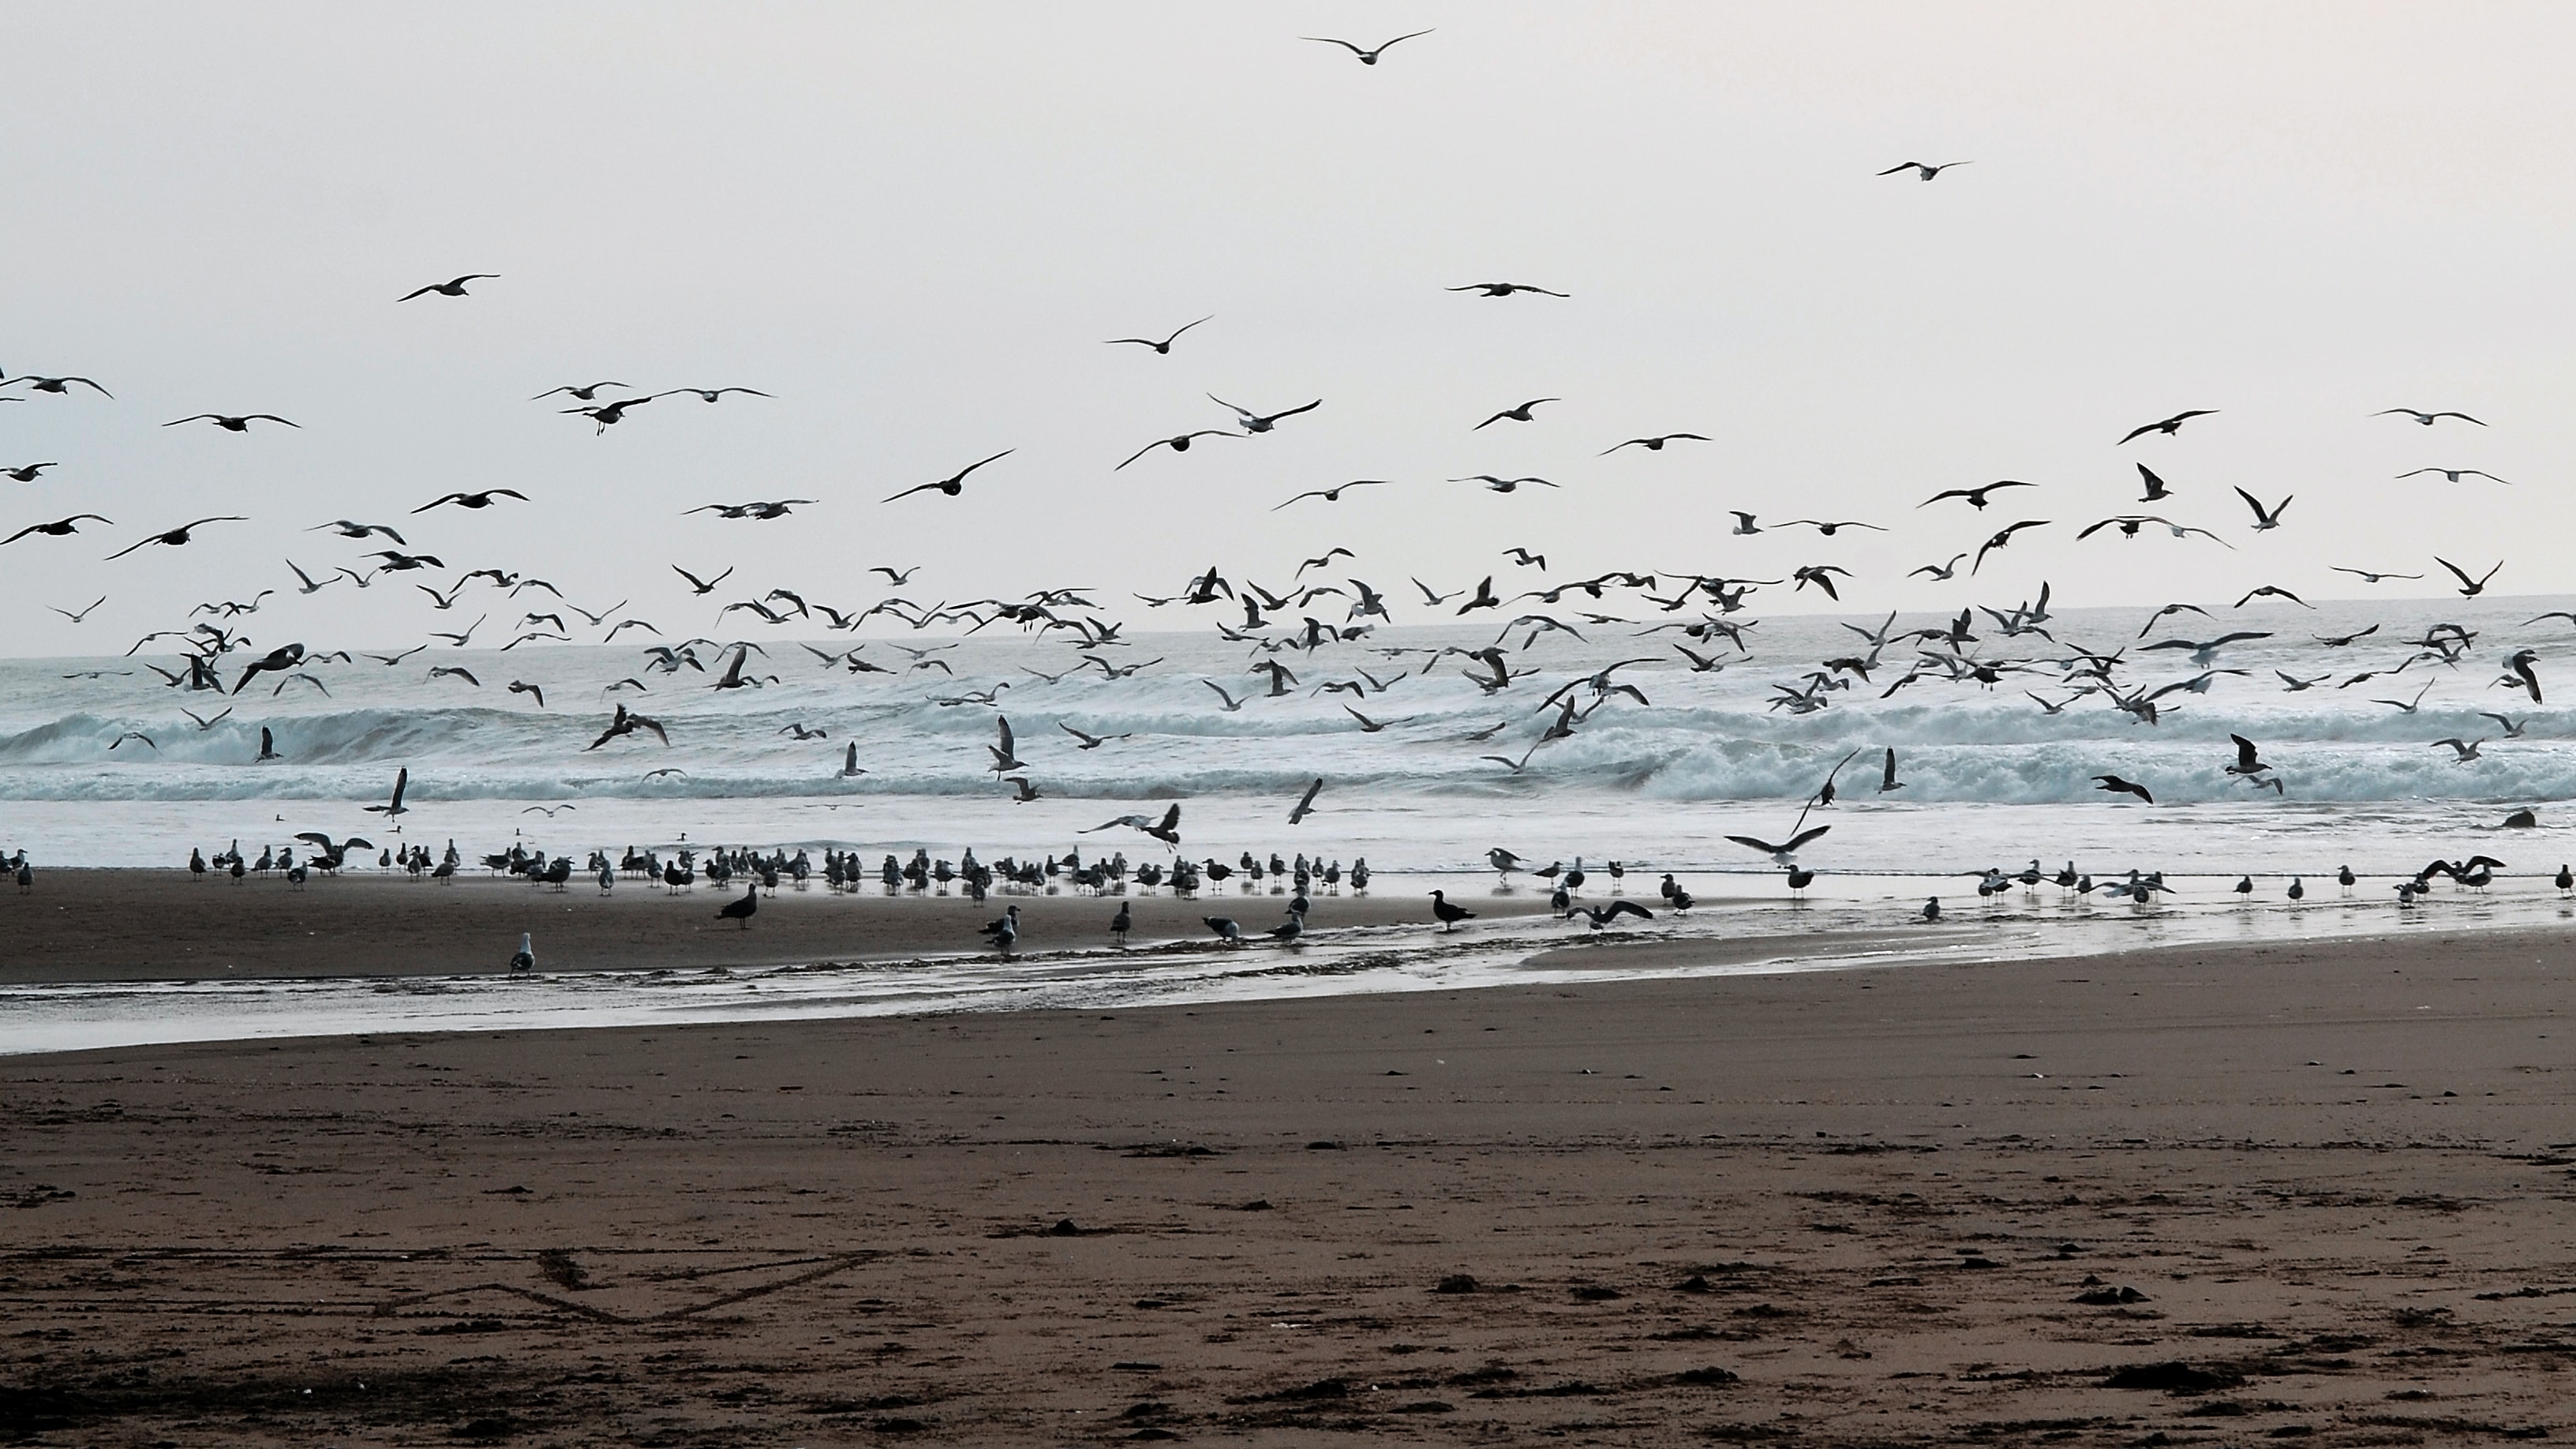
(915, 225)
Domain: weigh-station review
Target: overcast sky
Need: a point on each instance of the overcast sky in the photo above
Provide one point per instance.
(916, 225)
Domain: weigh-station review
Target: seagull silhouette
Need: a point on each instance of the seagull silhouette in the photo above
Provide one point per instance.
(1366, 57)
(1163, 347)
(954, 483)
(230, 424)
(2168, 427)
(455, 288)
(178, 536)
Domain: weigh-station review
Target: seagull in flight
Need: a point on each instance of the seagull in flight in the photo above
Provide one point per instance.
(231, 424)
(84, 614)
(1941, 573)
(26, 472)
(1781, 853)
(455, 288)
(1505, 289)
(711, 394)
(2169, 426)
(580, 392)
(57, 385)
(1180, 444)
(2469, 588)
(2003, 538)
(178, 536)
(58, 528)
(1519, 414)
(1304, 807)
(1922, 170)
(2263, 518)
(2451, 474)
(2271, 591)
(1976, 496)
(954, 483)
(2117, 786)
(776, 508)
(1367, 57)
(1654, 444)
(2367, 577)
(1164, 347)
(2427, 419)
(1253, 422)
(1332, 494)
(348, 529)
(470, 500)
(702, 586)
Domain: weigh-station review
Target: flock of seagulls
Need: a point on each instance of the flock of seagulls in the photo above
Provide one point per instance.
(1291, 626)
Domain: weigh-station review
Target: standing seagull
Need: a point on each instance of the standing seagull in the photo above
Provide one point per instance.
(1164, 347)
(1923, 171)
(451, 289)
(741, 910)
(2169, 426)
(1367, 57)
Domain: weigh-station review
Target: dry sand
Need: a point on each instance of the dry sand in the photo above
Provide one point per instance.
(2317, 1192)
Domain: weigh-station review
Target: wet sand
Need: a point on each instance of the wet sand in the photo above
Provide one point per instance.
(137, 925)
(2320, 1192)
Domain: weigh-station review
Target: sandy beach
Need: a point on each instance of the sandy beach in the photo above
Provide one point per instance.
(142, 925)
(2317, 1192)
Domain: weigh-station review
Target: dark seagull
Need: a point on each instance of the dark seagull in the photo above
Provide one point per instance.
(60, 386)
(179, 536)
(1654, 444)
(1505, 289)
(231, 424)
(1782, 853)
(2169, 426)
(1976, 496)
(2469, 588)
(58, 528)
(2427, 419)
(954, 483)
(1179, 444)
(1252, 422)
(1923, 171)
(2117, 786)
(455, 288)
(1519, 414)
(471, 500)
(2002, 538)
(1366, 57)
(1329, 495)
(1163, 347)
